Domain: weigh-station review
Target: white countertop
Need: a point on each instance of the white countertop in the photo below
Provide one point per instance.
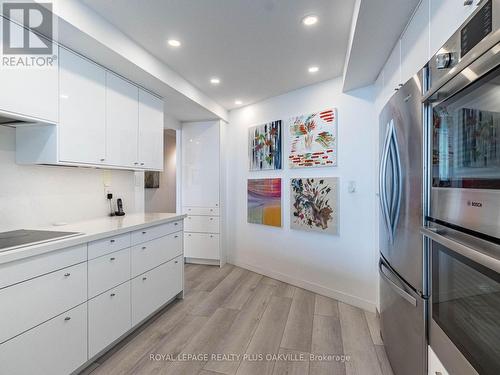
(91, 230)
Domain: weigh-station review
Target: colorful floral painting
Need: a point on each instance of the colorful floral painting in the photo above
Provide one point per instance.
(314, 204)
(264, 201)
(313, 140)
(264, 145)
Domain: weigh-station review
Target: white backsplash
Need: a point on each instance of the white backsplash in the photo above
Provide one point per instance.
(33, 196)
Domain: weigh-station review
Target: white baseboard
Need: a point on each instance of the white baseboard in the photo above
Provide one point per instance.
(208, 262)
(319, 289)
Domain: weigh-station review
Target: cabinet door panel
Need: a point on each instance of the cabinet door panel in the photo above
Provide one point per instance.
(122, 121)
(29, 91)
(150, 131)
(109, 317)
(82, 106)
(56, 347)
(200, 164)
(201, 246)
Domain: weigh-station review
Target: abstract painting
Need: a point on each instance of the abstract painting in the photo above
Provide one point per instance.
(264, 201)
(151, 180)
(313, 140)
(314, 204)
(264, 146)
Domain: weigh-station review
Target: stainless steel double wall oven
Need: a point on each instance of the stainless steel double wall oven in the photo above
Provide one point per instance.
(463, 224)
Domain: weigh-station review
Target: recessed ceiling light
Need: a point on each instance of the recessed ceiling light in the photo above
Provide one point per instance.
(174, 43)
(238, 102)
(309, 20)
(313, 69)
(214, 81)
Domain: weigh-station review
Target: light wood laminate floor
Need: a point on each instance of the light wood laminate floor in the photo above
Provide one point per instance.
(238, 322)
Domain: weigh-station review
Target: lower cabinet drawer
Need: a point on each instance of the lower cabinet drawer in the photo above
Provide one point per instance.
(25, 305)
(150, 233)
(108, 271)
(148, 255)
(202, 246)
(202, 224)
(109, 317)
(153, 289)
(56, 347)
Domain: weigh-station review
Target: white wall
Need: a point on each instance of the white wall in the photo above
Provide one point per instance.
(343, 266)
(33, 196)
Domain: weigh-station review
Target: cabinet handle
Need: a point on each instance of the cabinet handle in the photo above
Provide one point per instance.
(176, 236)
(67, 274)
(176, 223)
(112, 241)
(136, 163)
(112, 259)
(142, 163)
(439, 373)
(211, 218)
(67, 318)
(144, 278)
(144, 248)
(112, 294)
(176, 262)
(144, 232)
(102, 159)
(211, 236)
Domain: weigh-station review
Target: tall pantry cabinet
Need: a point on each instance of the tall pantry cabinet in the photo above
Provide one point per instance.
(202, 191)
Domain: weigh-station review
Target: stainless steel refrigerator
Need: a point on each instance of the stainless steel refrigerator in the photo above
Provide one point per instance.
(403, 286)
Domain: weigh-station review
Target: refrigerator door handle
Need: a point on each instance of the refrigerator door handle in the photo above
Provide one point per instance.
(383, 183)
(397, 181)
(399, 290)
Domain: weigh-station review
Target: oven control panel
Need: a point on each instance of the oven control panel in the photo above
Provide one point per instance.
(478, 27)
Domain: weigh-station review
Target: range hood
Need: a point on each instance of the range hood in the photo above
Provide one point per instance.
(13, 120)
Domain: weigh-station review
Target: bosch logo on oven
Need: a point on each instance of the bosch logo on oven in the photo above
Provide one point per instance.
(474, 204)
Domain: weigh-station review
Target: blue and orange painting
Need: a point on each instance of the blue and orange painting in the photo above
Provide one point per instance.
(264, 201)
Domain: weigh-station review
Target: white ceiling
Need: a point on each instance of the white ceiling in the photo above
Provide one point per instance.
(258, 48)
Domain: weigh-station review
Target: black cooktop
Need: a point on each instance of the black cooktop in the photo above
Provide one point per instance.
(25, 237)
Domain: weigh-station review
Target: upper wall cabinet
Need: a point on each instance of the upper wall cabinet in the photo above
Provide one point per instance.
(415, 43)
(104, 121)
(28, 91)
(122, 121)
(150, 145)
(82, 109)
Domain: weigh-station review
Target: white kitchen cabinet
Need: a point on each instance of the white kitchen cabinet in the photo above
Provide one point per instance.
(122, 121)
(200, 164)
(157, 231)
(415, 42)
(108, 245)
(109, 317)
(56, 347)
(202, 173)
(108, 271)
(392, 71)
(150, 141)
(204, 246)
(30, 91)
(446, 18)
(82, 110)
(24, 305)
(148, 255)
(154, 288)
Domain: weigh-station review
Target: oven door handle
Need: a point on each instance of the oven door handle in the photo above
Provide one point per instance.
(398, 289)
(462, 249)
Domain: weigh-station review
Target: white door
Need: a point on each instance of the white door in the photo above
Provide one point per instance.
(30, 90)
(122, 119)
(150, 131)
(82, 110)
